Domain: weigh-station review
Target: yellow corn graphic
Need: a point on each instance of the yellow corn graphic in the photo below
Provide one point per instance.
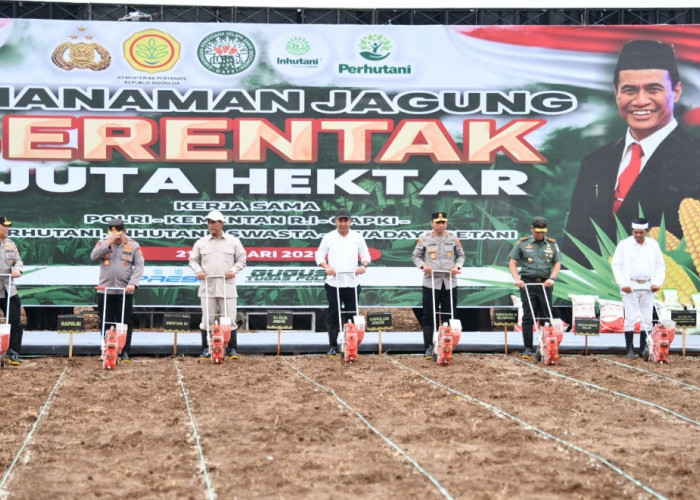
(689, 215)
(677, 277)
(672, 240)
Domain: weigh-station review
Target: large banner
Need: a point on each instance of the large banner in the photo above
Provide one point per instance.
(278, 126)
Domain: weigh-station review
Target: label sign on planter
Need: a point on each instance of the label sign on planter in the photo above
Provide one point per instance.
(176, 323)
(71, 323)
(504, 316)
(279, 320)
(685, 319)
(377, 321)
(587, 326)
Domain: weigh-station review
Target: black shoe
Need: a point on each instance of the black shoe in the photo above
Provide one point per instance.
(231, 353)
(428, 352)
(527, 353)
(124, 357)
(13, 357)
(205, 355)
(630, 353)
(332, 352)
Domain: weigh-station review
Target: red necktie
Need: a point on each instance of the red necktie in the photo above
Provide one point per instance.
(629, 175)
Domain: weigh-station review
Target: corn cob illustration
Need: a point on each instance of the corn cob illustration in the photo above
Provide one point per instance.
(689, 215)
(677, 277)
(672, 240)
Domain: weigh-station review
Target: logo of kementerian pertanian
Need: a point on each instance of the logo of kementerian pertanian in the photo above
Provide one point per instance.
(226, 52)
(375, 47)
(151, 51)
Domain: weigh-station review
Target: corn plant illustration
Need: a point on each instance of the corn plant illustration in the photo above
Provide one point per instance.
(152, 52)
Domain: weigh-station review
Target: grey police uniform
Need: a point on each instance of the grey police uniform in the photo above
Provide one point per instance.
(120, 266)
(10, 260)
(441, 253)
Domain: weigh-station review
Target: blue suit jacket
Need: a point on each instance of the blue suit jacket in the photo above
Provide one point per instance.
(671, 174)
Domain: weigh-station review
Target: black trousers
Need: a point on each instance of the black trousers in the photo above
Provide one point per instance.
(16, 330)
(442, 299)
(539, 305)
(348, 306)
(114, 313)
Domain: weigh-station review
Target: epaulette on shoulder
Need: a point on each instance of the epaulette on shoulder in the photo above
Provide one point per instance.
(551, 240)
(523, 238)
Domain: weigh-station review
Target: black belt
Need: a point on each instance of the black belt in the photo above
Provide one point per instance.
(533, 280)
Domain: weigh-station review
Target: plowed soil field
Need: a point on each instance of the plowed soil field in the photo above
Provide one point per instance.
(487, 426)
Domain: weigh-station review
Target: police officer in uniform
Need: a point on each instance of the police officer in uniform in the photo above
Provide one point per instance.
(121, 265)
(437, 250)
(540, 262)
(10, 263)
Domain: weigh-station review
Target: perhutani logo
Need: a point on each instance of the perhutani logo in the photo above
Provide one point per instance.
(75, 54)
(152, 51)
(226, 52)
(374, 48)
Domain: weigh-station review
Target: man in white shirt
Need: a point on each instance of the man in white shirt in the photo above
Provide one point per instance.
(639, 269)
(218, 254)
(338, 255)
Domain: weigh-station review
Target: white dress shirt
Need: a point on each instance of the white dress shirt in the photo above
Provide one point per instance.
(342, 254)
(633, 261)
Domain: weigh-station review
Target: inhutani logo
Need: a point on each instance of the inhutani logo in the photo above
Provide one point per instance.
(375, 47)
(226, 52)
(297, 54)
(298, 46)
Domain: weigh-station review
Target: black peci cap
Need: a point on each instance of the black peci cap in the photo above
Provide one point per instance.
(647, 54)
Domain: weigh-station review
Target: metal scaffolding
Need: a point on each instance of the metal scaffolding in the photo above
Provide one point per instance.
(486, 17)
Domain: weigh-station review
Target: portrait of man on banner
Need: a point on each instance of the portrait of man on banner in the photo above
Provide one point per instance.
(650, 170)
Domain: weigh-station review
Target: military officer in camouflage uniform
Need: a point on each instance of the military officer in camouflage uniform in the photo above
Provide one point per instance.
(10, 263)
(437, 250)
(539, 261)
(121, 265)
